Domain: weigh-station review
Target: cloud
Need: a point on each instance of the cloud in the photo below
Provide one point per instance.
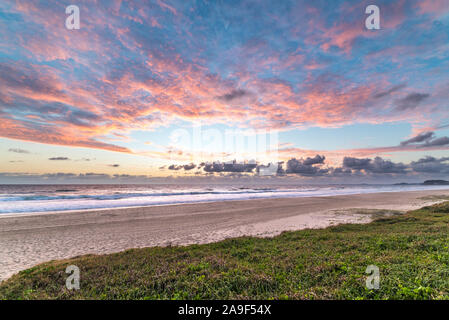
(233, 95)
(271, 169)
(431, 165)
(389, 91)
(382, 166)
(189, 166)
(426, 140)
(155, 87)
(316, 167)
(53, 91)
(437, 7)
(443, 141)
(306, 166)
(186, 167)
(442, 126)
(232, 166)
(377, 166)
(58, 158)
(18, 150)
(341, 172)
(411, 101)
(315, 160)
(355, 163)
(419, 138)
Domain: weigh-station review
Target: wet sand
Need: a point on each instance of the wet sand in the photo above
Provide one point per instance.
(30, 239)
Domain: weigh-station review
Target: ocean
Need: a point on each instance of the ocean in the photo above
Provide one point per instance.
(48, 198)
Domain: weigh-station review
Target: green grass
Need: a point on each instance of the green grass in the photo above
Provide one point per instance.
(411, 251)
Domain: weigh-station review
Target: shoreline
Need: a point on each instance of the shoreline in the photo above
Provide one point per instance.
(39, 237)
(14, 214)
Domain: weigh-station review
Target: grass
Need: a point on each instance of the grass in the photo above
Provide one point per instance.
(411, 251)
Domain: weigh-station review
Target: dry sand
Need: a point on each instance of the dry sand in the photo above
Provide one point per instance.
(30, 239)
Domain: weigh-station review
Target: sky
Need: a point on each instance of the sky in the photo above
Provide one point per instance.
(191, 90)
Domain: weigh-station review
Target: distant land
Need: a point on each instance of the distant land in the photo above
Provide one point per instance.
(426, 183)
(436, 182)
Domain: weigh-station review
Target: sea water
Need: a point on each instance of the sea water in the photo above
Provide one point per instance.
(46, 198)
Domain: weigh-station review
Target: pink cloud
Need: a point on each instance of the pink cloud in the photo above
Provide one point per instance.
(437, 7)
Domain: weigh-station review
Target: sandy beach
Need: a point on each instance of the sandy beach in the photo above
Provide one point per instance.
(30, 239)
